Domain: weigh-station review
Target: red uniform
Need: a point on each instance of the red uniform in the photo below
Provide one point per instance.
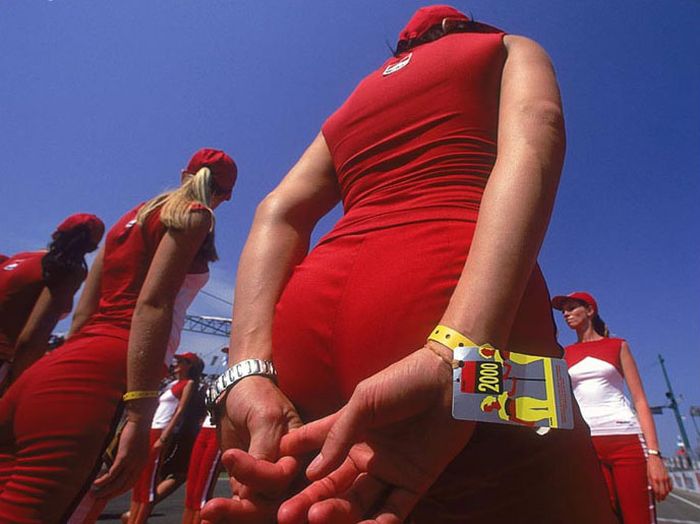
(598, 381)
(21, 282)
(413, 147)
(203, 467)
(58, 417)
(145, 488)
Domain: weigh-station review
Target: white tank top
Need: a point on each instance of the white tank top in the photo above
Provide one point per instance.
(596, 377)
(167, 405)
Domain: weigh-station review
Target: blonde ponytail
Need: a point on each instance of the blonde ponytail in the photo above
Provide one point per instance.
(176, 204)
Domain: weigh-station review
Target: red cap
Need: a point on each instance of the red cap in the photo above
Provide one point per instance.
(427, 17)
(189, 357)
(559, 301)
(221, 165)
(94, 225)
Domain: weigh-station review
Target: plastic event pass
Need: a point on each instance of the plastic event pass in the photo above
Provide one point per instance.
(511, 388)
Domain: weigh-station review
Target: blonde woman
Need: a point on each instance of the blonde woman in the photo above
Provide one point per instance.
(57, 418)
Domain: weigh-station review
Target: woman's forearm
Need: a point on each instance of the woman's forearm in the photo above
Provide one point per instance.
(646, 422)
(639, 397)
(148, 339)
(278, 241)
(273, 248)
(90, 297)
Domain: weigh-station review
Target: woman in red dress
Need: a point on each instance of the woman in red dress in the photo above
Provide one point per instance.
(447, 159)
(36, 291)
(56, 420)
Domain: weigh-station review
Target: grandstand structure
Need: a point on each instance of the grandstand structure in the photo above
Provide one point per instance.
(218, 326)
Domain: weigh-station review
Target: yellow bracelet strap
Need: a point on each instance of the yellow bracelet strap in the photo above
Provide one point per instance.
(135, 395)
(449, 337)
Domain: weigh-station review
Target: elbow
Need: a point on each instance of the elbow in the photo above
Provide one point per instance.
(537, 143)
(276, 209)
(545, 124)
(152, 307)
(272, 207)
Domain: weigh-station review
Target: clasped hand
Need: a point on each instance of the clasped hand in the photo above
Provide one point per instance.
(379, 454)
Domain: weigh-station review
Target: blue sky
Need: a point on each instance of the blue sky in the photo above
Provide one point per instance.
(102, 102)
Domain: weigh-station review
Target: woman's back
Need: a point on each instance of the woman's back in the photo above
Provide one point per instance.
(129, 249)
(418, 135)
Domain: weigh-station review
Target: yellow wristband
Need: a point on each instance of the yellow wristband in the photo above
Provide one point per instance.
(135, 395)
(449, 337)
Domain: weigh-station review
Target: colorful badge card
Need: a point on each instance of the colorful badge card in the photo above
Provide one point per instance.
(511, 388)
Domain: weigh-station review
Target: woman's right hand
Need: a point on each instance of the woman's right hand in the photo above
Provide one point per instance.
(257, 414)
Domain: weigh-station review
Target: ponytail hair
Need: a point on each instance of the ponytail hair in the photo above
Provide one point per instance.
(600, 327)
(66, 253)
(175, 207)
(195, 371)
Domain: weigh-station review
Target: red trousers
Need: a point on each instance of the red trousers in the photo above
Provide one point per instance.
(55, 421)
(624, 467)
(203, 469)
(145, 488)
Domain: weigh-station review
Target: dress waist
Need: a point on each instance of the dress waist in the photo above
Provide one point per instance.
(366, 220)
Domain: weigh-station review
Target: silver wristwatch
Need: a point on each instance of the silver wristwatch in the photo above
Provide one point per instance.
(233, 375)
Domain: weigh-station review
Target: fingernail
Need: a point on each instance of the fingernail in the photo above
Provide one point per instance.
(315, 463)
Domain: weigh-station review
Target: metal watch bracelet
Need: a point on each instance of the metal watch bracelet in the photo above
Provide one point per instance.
(234, 374)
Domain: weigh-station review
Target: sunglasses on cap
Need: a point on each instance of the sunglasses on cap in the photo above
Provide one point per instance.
(219, 191)
(448, 25)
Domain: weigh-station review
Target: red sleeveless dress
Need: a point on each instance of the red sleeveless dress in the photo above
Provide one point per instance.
(413, 147)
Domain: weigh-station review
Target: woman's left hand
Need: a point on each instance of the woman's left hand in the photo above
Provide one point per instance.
(658, 477)
(132, 455)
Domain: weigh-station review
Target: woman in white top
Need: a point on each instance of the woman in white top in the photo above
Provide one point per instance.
(626, 443)
(171, 406)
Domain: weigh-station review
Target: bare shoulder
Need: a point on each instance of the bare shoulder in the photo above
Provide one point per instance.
(200, 220)
(625, 348)
(523, 48)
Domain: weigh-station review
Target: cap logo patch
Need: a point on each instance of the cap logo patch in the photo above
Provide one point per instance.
(396, 66)
(10, 267)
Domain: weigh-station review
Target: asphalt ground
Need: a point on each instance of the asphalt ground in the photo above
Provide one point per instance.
(681, 507)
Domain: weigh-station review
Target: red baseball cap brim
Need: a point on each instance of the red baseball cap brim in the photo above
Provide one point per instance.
(560, 301)
(190, 357)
